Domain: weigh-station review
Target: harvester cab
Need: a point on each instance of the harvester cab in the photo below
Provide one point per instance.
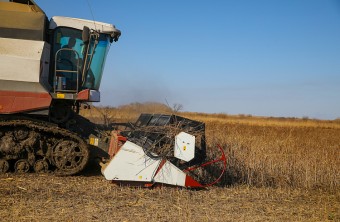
(79, 49)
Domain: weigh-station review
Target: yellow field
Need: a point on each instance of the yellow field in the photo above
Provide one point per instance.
(268, 152)
(279, 169)
(264, 153)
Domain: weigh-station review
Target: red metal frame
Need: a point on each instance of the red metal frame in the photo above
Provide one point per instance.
(116, 142)
(221, 159)
(14, 102)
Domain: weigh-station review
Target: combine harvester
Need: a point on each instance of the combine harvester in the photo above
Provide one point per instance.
(49, 70)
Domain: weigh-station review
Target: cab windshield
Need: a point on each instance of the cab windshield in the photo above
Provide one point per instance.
(69, 52)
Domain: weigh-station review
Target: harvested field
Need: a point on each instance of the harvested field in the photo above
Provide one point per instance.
(279, 169)
(92, 198)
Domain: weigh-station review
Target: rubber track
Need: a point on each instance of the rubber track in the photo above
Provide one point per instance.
(47, 129)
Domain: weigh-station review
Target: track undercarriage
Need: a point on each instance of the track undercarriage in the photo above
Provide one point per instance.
(29, 144)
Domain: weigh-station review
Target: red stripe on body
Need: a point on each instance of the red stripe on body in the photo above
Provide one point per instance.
(160, 166)
(14, 102)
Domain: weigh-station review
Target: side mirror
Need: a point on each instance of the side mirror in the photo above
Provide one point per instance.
(86, 35)
(115, 36)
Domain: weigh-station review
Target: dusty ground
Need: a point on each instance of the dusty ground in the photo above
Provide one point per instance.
(34, 197)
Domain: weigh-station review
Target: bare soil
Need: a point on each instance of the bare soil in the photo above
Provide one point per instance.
(46, 197)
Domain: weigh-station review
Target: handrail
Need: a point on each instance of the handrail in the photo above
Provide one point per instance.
(76, 72)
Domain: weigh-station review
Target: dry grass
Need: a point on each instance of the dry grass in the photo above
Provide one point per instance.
(278, 152)
(265, 121)
(279, 156)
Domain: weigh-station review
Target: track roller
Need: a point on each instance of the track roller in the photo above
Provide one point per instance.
(4, 166)
(22, 166)
(40, 166)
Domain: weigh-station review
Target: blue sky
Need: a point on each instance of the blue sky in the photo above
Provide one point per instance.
(258, 57)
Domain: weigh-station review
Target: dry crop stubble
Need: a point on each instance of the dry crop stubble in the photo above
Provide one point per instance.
(32, 197)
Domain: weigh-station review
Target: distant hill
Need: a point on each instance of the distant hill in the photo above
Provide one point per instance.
(124, 113)
(148, 107)
(130, 112)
